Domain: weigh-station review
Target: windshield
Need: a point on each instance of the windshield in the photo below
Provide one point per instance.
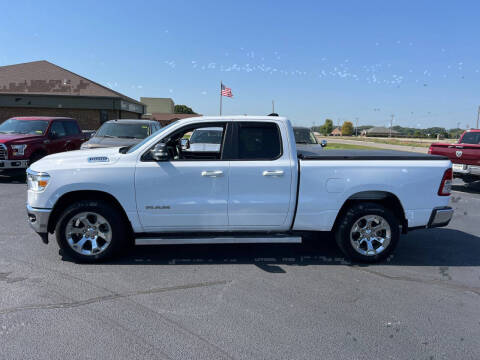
(127, 131)
(204, 136)
(15, 126)
(304, 136)
(140, 144)
(471, 138)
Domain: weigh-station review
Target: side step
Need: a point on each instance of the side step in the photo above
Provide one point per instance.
(218, 239)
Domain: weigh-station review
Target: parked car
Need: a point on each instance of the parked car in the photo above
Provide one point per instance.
(24, 140)
(305, 137)
(125, 132)
(257, 188)
(204, 140)
(465, 155)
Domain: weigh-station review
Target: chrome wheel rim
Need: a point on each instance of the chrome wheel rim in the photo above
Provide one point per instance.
(88, 233)
(370, 235)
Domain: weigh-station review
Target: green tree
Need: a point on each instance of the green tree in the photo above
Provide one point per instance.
(328, 127)
(183, 109)
(347, 128)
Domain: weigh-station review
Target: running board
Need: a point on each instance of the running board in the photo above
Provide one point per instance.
(221, 239)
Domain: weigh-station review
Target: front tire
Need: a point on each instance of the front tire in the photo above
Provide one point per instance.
(91, 231)
(367, 232)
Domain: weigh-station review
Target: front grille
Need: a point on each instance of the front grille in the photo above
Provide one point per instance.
(3, 152)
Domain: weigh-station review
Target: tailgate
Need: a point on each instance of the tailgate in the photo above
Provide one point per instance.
(458, 153)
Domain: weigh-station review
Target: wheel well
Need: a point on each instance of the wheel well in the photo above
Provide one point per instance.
(384, 198)
(69, 198)
(38, 152)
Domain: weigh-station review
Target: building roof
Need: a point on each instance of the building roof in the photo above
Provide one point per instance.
(44, 78)
(169, 117)
(380, 130)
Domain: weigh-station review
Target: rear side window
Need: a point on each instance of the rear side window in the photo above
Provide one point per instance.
(71, 128)
(471, 138)
(259, 141)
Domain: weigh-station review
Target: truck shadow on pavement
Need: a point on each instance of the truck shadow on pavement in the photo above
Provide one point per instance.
(472, 188)
(433, 247)
(13, 179)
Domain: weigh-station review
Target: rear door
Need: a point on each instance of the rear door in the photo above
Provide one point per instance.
(260, 185)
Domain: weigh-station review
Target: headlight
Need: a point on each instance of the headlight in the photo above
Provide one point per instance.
(37, 181)
(18, 150)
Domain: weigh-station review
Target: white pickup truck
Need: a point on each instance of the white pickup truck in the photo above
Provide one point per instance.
(255, 188)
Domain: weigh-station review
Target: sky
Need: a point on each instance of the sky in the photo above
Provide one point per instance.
(416, 60)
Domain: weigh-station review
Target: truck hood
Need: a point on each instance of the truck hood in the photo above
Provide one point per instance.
(102, 142)
(77, 159)
(18, 138)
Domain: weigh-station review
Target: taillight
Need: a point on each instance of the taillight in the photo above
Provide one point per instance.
(430, 149)
(446, 184)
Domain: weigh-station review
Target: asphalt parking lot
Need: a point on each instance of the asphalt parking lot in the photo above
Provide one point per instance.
(242, 302)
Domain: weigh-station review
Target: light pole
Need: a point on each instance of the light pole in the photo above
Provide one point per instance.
(391, 122)
(356, 126)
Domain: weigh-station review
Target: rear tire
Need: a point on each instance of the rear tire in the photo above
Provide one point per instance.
(367, 232)
(91, 231)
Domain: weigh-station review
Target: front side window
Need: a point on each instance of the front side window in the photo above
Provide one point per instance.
(57, 129)
(196, 143)
(15, 126)
(126, 131)
(259, 141)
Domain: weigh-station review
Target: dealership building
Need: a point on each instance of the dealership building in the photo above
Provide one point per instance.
(40, 88)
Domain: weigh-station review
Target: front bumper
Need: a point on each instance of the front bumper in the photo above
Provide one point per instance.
(440, 217)
(13, 164)
(38, 220)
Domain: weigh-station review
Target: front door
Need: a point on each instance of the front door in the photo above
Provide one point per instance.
(189, 192)
(260, 179)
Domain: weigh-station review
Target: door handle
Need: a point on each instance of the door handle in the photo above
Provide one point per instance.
(214, 173)
(273, 173)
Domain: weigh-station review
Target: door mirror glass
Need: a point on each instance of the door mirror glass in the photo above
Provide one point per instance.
(52, 135)
(185, 144)
(324, 143)
(159, 152)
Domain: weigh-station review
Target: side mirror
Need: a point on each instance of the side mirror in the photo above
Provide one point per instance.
(185, 144)
(323, 143)
(92, 134)
(159, 152)
(52, 135)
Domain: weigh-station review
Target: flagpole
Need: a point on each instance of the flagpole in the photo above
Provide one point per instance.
(220, 97)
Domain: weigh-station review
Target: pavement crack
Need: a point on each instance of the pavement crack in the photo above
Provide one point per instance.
(450, 285)
(113, 296)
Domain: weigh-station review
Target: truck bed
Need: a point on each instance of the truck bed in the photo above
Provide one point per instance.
(321, 154)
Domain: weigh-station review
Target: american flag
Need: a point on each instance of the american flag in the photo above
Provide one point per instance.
(226, 91)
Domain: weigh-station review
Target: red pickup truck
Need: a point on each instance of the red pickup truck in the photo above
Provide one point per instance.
(24, 140)
(465, 155)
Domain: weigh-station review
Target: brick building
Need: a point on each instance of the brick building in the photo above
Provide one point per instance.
(42, 88)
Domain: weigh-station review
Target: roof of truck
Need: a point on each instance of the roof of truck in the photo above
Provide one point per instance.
(41, 118)
(236, 118)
